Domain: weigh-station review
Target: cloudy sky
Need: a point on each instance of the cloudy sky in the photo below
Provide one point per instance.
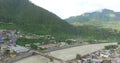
(67, 8)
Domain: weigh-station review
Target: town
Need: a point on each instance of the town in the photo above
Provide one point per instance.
(12, 52)
(110, 54)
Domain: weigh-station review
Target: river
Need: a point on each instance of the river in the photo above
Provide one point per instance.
(65, 54)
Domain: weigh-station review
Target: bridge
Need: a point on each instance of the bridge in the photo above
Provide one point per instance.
(48, 56)
(56, 58)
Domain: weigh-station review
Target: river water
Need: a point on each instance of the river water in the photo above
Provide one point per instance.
(65, 54)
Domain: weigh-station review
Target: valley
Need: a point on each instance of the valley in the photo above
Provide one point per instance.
(33, 34)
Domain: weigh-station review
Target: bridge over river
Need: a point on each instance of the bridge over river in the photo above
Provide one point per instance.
(50, 57)
(66, 54)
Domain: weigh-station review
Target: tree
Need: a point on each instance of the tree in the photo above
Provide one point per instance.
(69, 41)
(78, 56)
(33, 46)
(89, 62)
(51, 59)
(7, 52)
(111, 47)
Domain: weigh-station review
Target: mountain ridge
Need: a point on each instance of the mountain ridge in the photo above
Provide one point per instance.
(26, 16)
(103, 15)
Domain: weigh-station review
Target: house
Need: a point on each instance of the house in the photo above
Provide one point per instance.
(96, 60)
(1, 38)
(104, 55)
(118, 50)
(18, 49)
(3, 47)
(118, 59)
(62, 44)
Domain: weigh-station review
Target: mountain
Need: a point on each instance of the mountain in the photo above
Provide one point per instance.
(98, 25)
(104, 15)
(29, 18)
(24, 15)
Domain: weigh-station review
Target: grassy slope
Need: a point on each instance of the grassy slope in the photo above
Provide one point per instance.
(112, 24)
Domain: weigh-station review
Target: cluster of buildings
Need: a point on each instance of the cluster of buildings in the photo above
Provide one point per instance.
(47, 46)
(8, 37)
(60, 44)
(102, 56)
(8, 46)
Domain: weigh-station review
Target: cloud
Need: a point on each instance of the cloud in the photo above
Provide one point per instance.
(67, 8)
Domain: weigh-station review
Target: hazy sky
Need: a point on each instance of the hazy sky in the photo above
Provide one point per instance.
(67, 8)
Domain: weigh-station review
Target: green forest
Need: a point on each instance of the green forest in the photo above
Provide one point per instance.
(25, 16)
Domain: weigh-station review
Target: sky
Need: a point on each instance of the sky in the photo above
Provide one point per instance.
(68, 8)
